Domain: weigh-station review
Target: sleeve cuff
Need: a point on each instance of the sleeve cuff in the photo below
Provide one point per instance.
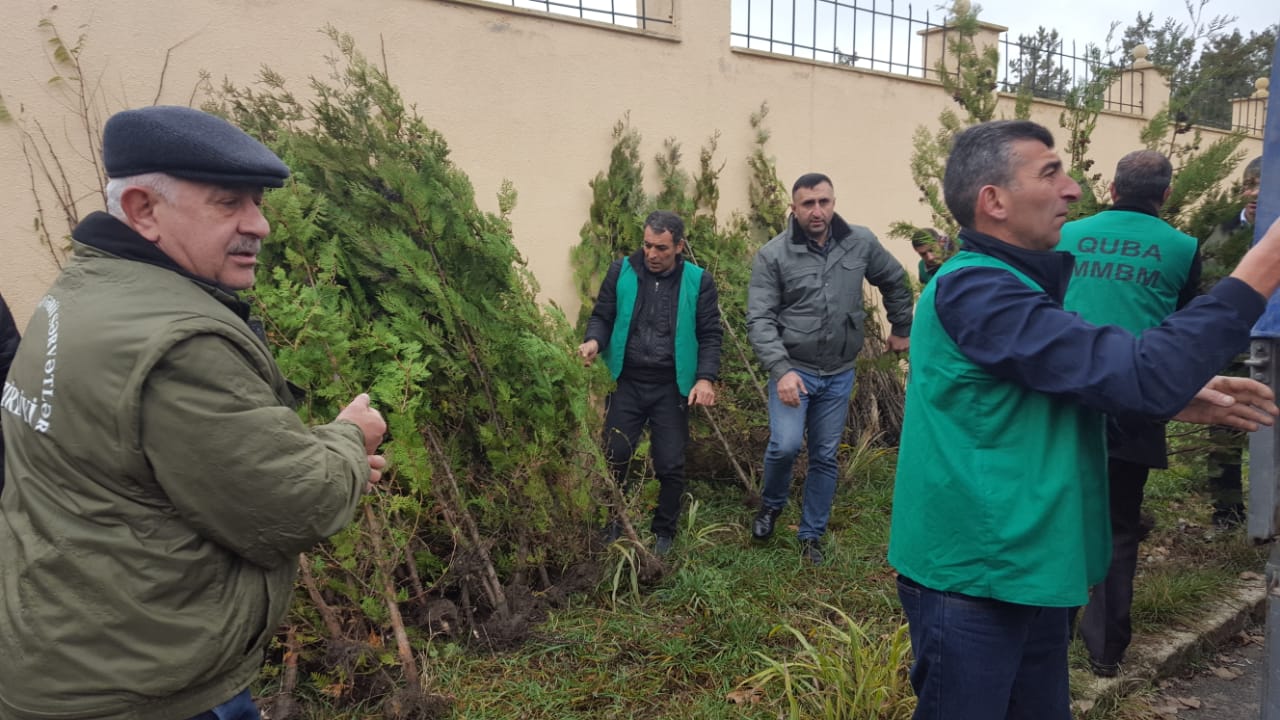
(1237, 293)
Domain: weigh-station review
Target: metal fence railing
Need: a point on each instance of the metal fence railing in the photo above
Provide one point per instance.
(889, 36)
(877, 37)
(624, 13)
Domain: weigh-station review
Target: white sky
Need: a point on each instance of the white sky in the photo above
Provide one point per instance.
(1088, 20)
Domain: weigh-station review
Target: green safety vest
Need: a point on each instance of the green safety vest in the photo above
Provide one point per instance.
(686, 350)
(1001, 491)
(1130, 268)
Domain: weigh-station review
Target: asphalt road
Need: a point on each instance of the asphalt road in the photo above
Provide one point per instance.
(1223, 686)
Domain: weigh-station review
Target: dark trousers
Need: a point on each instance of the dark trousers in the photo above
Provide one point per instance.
(1224, 460)
(984, 659)
(660, 405)
(1105, 624)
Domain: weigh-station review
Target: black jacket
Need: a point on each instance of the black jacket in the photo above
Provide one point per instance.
(650, 345)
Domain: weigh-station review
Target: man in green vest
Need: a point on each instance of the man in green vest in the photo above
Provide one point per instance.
(1132, 269)
(999, 522)
(928, 244)
(657, 323)
(160, 485)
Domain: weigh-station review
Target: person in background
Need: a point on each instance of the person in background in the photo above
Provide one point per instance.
(1222, 251)
(1132, 269)
(929, 244)
(804, 320)
(657, 323)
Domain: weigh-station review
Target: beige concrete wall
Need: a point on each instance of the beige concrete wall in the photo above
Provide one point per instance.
(518, 95)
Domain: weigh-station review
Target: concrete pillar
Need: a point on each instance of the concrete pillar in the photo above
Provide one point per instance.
(1139, 90)
(1248, 115)
(938, 42)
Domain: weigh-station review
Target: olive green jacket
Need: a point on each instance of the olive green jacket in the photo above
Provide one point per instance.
(159, 488)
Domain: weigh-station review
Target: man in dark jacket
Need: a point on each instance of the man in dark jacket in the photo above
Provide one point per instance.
(804, 320)
(8, 348)
(1132, 269)
(160, 484)
(657, 323)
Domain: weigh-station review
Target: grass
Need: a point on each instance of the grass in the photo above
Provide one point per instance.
(745, 630)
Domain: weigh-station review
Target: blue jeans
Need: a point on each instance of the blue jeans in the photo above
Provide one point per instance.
(240, 707)
(820, 416)
(983, 659)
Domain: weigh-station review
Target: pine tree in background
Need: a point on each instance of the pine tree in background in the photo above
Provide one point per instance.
(381, 273)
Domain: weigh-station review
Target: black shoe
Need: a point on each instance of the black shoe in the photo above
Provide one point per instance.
(1104, 670)
(662, 546)
(810, 550)
(762, 525)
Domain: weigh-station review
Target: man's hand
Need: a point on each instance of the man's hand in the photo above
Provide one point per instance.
(790, 388)
(703, 393)
(588, 351)
(377, 464)
(1236, 402)
(368, 420)
(898, 344)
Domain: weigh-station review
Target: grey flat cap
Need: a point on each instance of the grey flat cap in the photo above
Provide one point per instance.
(187, 144)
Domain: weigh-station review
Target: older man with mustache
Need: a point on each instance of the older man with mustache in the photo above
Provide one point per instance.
(159, 483)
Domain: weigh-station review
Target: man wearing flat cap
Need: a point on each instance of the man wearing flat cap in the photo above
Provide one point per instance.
(159, 485)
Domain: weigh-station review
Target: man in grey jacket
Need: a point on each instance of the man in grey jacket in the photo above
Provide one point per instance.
(805, 319)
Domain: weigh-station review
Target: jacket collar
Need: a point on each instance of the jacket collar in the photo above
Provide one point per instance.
(839, 229)
(1051, 269)
(1134, 207)
(107, 234)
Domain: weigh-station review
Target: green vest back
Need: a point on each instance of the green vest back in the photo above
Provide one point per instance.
(1130, 268)
(686, 350)
(1001, 492)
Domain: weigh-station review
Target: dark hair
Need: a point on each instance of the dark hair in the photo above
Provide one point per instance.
(661, 221)
(983, 155)
(925, 237)
(1143, 176)
(811, 180)
(1253, 169)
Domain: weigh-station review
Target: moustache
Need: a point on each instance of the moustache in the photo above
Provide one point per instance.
(246, 246)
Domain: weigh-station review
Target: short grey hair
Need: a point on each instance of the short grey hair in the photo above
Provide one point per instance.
(983, 155)
(161, 184)
(1143, 176)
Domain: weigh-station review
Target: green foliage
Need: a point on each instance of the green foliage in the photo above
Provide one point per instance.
(1035, 71)
(972, 83)
(1079, 117)
(1205, 66)
(616, 223)
(768, 195)
(381, 274)
(1199, 174)
(842, 672)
